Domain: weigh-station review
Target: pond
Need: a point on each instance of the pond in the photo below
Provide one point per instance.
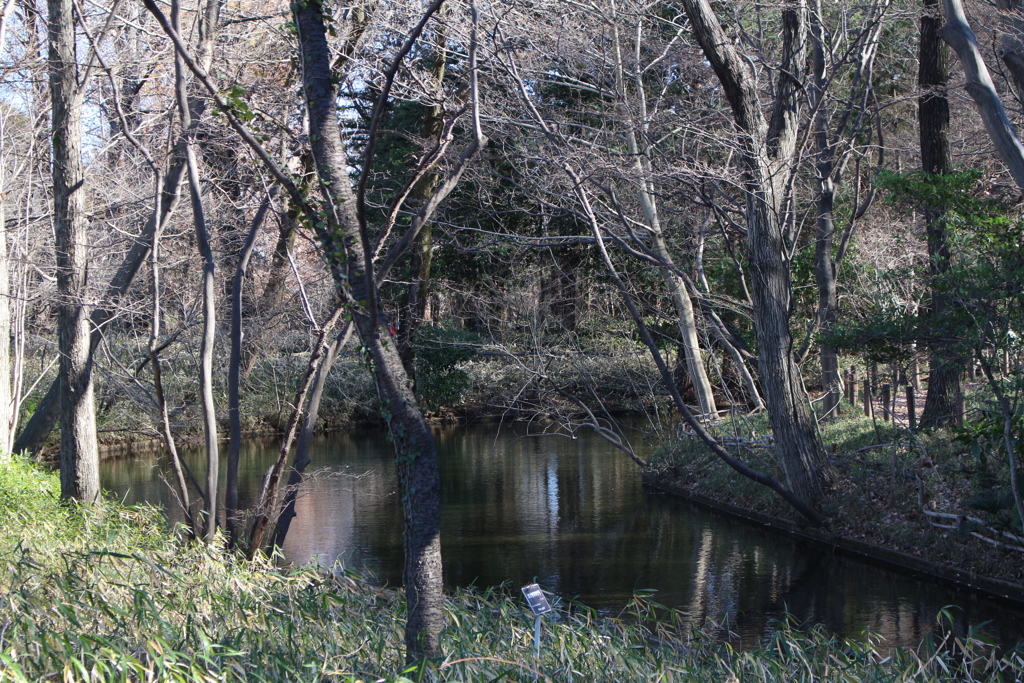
(572, 515)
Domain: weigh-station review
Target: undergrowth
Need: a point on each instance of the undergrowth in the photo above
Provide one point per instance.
(106, 594)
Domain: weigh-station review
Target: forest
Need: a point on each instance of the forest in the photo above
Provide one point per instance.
(787, 235)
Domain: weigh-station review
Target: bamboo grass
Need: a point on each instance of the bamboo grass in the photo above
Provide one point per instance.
(109, 595)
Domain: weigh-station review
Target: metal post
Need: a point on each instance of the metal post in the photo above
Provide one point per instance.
(536, 645)
(540, 606)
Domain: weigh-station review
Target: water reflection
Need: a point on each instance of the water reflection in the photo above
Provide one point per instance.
(571, 514)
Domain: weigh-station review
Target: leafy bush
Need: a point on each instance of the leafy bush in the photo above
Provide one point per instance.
(439, 352)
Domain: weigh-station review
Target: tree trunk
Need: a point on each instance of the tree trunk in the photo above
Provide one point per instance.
(933, 122)
(768, 158)
(209, 281)
(79, 452)
(825, 273)
(687, 322)
(979, 86)
(831, 382)
(154, 358)
(348, 254)
(234, 374)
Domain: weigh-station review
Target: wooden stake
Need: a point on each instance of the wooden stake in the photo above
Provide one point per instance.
(911, 416)
(915, 374)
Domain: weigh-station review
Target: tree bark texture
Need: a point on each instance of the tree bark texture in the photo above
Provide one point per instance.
(958, 34)
(345, 246)
(933, 127)
(768, 158)
(79, 452)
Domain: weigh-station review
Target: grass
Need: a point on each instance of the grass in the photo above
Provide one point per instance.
(106, 594)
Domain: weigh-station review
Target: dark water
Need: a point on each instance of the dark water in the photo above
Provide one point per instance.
(572, 515)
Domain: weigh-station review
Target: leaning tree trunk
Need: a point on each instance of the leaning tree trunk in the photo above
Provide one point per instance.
(933, 121)
(79, 452)
(958, 34)
(687, 322)
(348, 252)
(768, 151)
(301, 460)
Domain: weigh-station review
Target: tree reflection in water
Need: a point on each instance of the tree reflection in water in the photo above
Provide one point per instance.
(572, 515)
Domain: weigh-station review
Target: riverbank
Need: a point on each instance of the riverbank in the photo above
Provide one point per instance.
(909, 499)
(108, 594)
(493, 383)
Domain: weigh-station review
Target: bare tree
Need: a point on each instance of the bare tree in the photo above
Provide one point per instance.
(602, 236)
(835, 136)
(340, 220)
(636, 129)
(45, 417)
(79, 452)
(207, 24)
(768, 158)
(8, 414)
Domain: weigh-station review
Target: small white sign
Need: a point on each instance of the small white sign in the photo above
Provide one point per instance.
(536, 599)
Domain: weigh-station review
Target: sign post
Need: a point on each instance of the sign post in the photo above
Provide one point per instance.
(540, 606)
